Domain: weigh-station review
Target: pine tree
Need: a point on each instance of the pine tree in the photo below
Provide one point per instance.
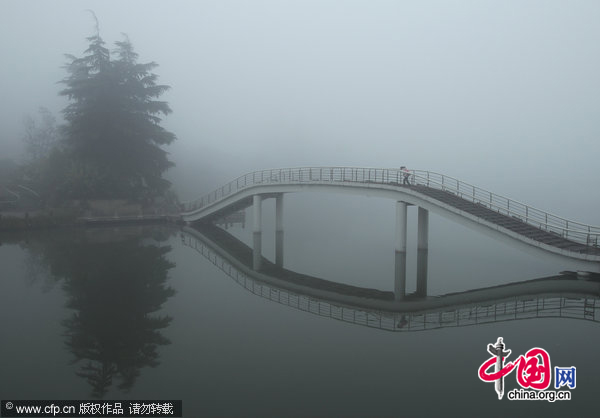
(40, 135)
(113, 130)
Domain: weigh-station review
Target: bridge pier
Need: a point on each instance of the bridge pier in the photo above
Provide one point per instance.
(400, 275)
(422, 256)
(422, 251)
(401, 226)
(257, 209)
(257, 232)
(279, 230)
(400, 253)
(423, 229)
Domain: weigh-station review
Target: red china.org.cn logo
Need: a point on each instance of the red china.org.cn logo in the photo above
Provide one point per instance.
(533, 371)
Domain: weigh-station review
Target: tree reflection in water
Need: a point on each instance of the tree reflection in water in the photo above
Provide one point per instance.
(115, 284)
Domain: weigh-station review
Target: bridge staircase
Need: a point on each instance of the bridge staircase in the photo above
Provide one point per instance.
(511, 223)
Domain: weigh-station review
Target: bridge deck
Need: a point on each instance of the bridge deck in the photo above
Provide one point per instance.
(508, 222)
(519, 221)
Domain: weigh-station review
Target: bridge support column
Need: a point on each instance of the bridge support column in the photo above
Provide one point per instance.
(422, 273)
(257, 232)
(400, 258)
(423, 230)
(279, 230)
(422, 252)
(400, 275)
(401, 226)
(257, 209)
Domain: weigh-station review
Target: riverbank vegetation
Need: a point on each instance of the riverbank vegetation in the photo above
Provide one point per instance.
(110, 146)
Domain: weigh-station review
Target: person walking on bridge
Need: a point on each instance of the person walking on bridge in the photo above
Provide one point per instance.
(405, 175)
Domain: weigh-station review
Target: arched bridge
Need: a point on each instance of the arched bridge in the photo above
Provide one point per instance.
(429, 191)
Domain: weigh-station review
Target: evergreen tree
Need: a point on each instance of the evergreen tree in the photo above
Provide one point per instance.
(40, 135)
(113, 127)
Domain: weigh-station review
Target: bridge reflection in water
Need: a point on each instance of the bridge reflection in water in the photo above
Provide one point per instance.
(561, 296)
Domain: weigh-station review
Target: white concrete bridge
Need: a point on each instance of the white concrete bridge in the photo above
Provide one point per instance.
(473, 206)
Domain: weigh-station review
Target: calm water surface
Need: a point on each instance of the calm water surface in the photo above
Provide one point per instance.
(139, 313)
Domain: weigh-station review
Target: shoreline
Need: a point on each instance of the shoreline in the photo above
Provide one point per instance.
(24, 221)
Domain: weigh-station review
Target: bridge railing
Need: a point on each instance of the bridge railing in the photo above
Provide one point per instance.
(294, 176)
(575, 231)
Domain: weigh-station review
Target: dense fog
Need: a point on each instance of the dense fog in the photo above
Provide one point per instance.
(502, 95)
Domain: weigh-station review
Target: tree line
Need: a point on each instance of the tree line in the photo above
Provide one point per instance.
(110, 145)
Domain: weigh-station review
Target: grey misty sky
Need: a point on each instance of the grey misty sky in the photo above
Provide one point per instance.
(502, 94)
